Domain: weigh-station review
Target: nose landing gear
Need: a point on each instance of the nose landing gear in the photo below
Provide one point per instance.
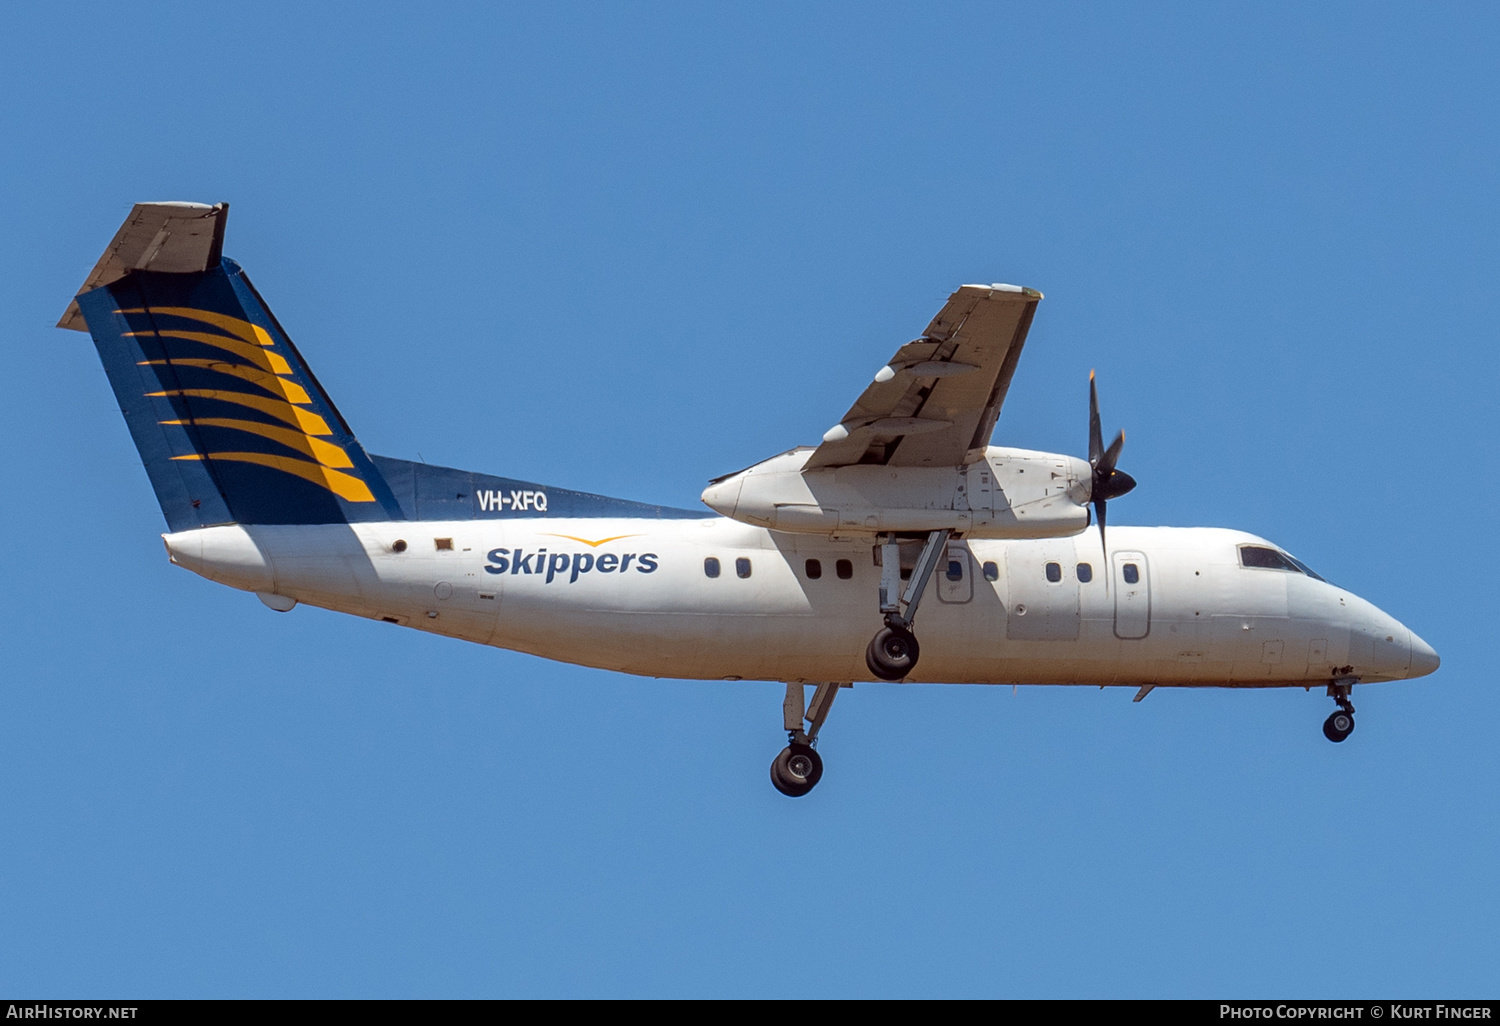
(892, 654)
(1338, 726)
(1341, 724)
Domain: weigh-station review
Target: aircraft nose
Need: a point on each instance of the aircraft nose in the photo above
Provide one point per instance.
(1423, 659)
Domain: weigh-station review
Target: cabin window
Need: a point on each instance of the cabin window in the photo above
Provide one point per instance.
(742, 567)
(955, 570)
(1262, 558)
(1132, 574)
(991, 572)
(814, 569)
(1085, 573)
(711, 567)
(399, 545)
(844, 568)
(443, 544)
(1054, 572)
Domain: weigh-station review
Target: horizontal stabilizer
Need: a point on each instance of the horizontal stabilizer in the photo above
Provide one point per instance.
(178, 238)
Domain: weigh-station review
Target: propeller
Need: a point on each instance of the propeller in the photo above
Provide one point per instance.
(1108, 483)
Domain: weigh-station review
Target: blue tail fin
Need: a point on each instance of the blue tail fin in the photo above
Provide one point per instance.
(230, 422)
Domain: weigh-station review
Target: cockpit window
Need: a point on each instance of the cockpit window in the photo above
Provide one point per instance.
(1263, 558)
(1309, 571)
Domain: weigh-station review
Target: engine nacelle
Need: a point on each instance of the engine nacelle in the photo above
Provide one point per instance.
(1011, 493)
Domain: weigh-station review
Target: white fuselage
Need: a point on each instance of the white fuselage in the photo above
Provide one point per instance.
(634, 596)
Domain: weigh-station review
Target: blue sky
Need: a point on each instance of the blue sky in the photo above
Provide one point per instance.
(626, 248)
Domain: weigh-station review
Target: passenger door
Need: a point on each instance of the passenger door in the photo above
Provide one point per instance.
(1132, 584)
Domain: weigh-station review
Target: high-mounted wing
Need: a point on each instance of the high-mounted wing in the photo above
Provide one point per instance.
(936, 402)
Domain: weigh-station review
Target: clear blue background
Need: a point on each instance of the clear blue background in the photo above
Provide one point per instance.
(626, 248)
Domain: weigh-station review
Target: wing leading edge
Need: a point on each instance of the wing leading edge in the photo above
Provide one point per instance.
(936, 402)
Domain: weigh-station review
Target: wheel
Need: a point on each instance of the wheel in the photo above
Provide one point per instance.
(892, 653)
(796, 770)
(1338, 726)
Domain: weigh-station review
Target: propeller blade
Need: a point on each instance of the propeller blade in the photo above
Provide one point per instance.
(1096, 436)
(1107, 482)
(1106, 465)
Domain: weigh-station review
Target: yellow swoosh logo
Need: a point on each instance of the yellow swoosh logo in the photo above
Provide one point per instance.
(282, 388)
(283, 411)
(325, 453)
(263, 358)
(345, 486)
(591, 544)
(253, 333)
(252, 343)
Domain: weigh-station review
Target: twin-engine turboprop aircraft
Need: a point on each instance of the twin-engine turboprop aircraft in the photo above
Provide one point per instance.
(811, 568)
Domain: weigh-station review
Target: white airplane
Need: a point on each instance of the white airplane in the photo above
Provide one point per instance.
(903, 505)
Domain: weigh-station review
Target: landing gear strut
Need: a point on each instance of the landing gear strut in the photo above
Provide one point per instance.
(1341, 724)
(798, 768)
(892, 654)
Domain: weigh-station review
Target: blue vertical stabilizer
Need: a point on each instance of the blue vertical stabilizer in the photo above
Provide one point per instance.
(231, 423)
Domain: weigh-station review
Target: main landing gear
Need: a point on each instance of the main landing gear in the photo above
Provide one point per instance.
(892, 654)
(798, 768)
(1341, 724)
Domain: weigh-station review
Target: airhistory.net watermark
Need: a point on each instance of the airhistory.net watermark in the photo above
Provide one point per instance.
(45, 1010)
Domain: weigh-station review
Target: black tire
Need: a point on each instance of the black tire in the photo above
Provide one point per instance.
(796, 770)
(1338, 726)
(892, 653)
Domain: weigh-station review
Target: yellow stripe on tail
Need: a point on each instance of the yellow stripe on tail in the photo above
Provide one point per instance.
(345, 486)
